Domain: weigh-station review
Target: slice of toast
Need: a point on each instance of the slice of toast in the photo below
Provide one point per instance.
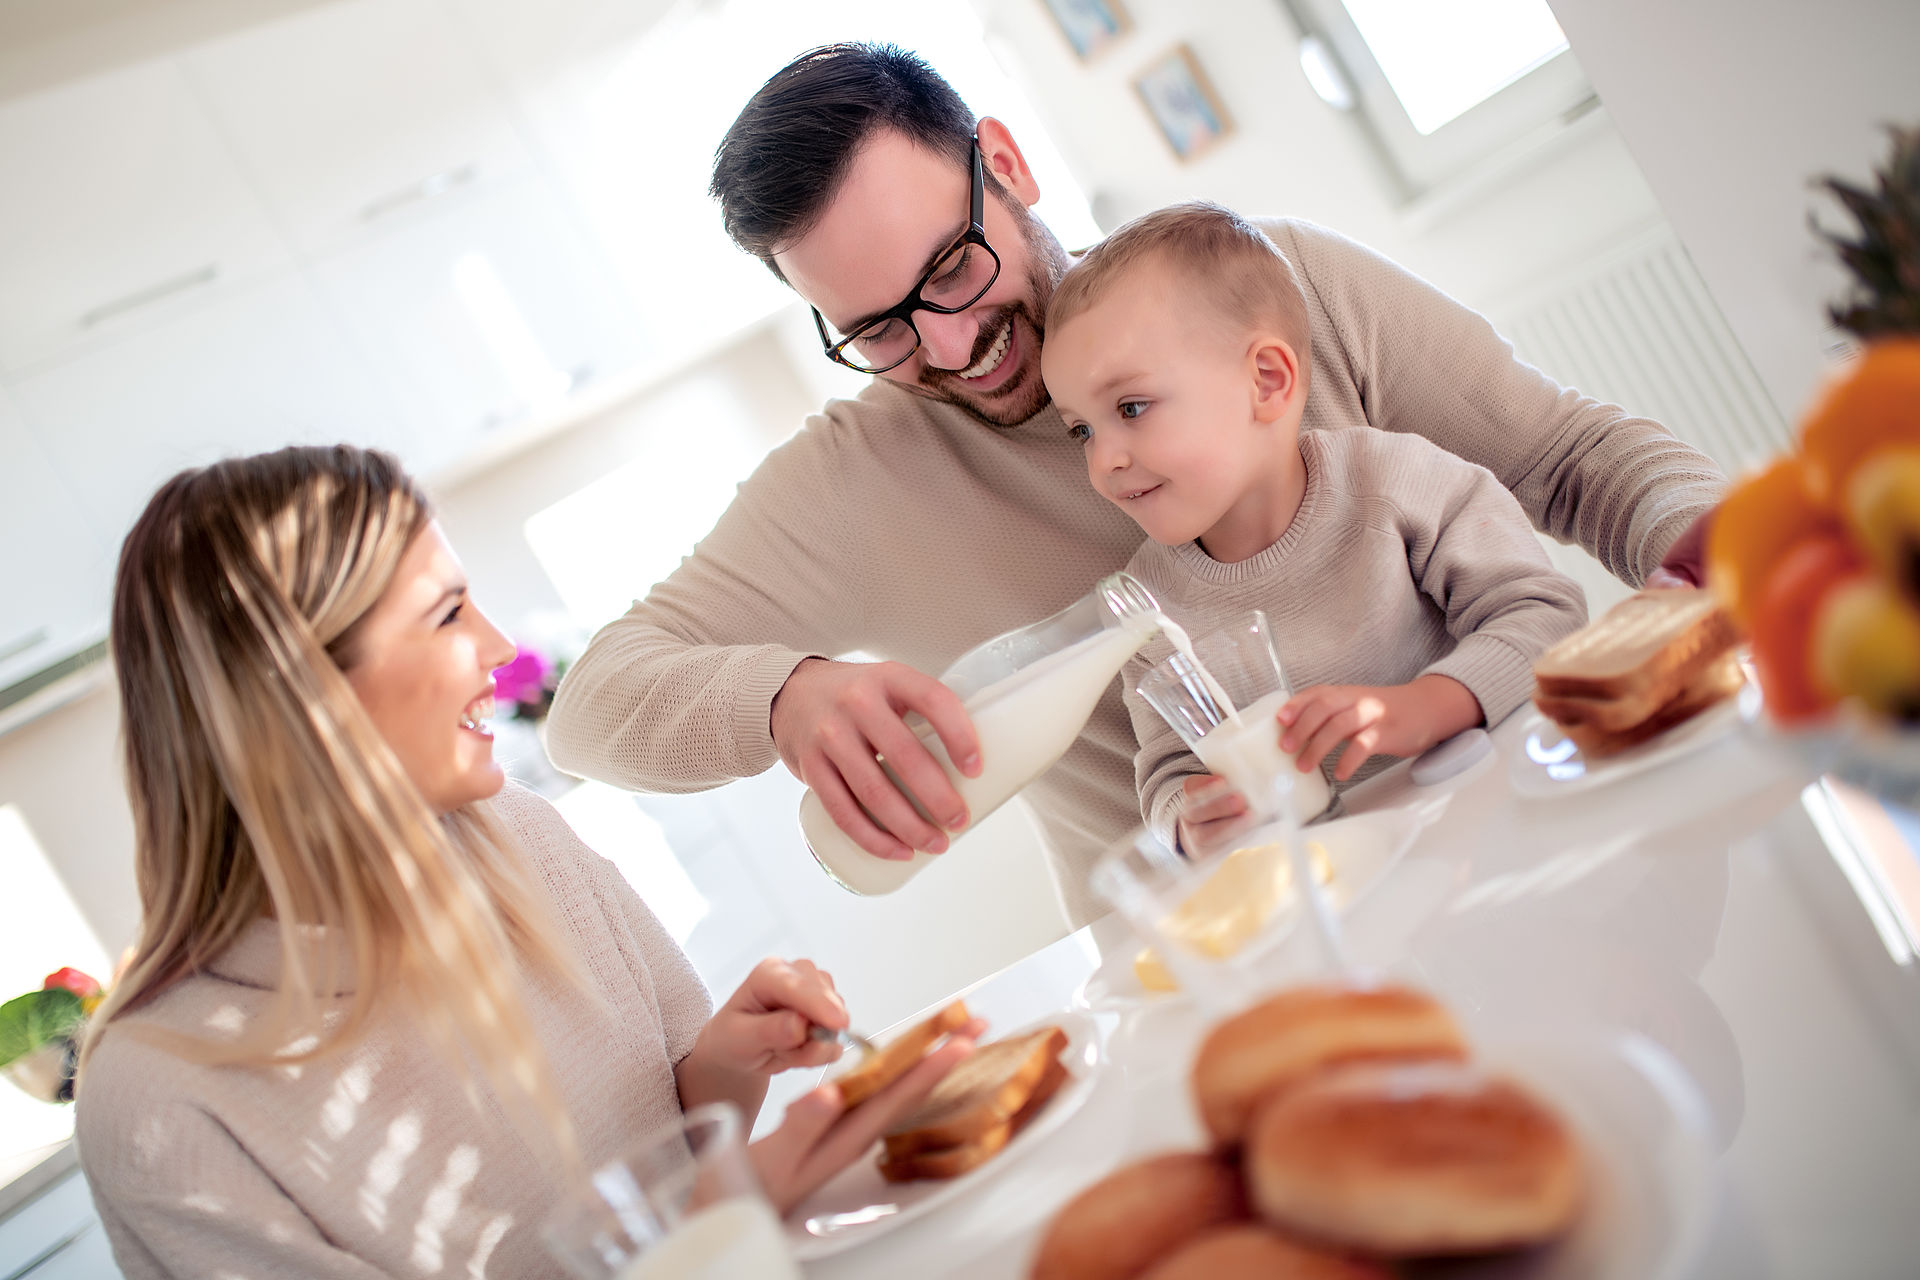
(983, 1091)
(897, 1057)
(1721, 680)
(951, 1162)
(1650, 645)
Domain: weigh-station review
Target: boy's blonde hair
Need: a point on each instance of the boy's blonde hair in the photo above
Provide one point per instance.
(1244, 275)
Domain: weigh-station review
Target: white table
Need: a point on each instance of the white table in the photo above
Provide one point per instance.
(1700, 905)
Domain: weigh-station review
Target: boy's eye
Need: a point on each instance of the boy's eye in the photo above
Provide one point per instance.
(1080, 431)
(1132, 408)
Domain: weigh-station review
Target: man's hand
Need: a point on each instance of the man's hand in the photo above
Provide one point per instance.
(1685, 564)
(831, 719)
(1395, 720)
(819, 1136)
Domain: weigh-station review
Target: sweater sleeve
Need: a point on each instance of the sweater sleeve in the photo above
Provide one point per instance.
(1471, 551)
(180, 1197)
(1162, 762)
(674, 696)
(1584, 471)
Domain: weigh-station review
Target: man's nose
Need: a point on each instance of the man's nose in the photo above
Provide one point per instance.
(946, 341)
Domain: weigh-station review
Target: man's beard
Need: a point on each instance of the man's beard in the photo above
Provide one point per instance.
(1023, 394)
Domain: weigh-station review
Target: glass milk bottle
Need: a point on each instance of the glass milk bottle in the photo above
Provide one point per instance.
(1029, 693)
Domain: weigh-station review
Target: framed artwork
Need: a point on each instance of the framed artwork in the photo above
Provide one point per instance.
(1182, 102)
(1089, 25)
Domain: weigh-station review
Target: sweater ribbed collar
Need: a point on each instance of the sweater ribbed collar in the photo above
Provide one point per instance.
(254, 958)
(1195, 561)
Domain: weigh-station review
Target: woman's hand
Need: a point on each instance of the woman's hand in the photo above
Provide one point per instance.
(761, 1031)
(1396, 720)
(819, 1136)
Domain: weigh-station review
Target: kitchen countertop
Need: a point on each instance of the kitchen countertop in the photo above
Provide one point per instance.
(32, 1172)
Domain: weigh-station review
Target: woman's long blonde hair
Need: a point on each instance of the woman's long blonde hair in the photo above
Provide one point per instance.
(260, 786)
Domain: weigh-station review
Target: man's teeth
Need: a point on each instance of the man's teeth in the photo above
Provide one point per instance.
(995, 354)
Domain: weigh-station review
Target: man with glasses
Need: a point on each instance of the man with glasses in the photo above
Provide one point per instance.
(947, 503)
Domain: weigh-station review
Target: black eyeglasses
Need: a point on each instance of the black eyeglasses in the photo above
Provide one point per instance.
(960, 277)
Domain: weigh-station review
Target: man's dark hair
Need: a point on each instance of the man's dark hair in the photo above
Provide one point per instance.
(788, 150)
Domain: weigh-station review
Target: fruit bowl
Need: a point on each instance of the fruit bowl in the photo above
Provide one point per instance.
(1854, 745)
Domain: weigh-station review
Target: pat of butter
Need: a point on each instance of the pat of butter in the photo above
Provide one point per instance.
(1230, 907)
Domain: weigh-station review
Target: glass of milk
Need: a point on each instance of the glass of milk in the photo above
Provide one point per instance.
(682, 1204)
(1221, 695)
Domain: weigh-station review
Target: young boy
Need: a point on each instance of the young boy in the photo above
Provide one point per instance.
(1407, 593)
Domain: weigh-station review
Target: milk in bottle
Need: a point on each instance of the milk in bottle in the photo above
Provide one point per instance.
(1029, 693)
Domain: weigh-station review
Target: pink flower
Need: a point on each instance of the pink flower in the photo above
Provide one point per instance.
(73, 980)
(523, 680)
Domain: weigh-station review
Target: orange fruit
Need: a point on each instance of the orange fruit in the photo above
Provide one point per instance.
(1782, 634)
(1872, 404)
(1763, 515)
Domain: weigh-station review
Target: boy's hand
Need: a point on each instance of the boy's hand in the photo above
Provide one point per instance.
(1215, 813)
(1395, 720)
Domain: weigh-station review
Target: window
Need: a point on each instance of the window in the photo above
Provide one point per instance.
(1443, 84)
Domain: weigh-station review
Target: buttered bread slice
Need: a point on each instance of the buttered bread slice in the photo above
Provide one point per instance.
(982, 1093)
(1643, 652)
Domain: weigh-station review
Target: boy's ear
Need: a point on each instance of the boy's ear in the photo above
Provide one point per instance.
(1276, 377)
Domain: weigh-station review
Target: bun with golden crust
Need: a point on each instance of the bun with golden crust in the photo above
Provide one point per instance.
(1258, 1253)
(1121, 1225)
(1290, 1037)
(1408, 1159)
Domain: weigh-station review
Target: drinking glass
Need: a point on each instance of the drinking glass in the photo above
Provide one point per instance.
(682, 1203)
(1219, 924)
(1221, 698)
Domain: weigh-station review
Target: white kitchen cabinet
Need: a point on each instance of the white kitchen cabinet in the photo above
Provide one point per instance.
(57, 1236)
(489, 311)
(118, 209)
(55, 569)
(263, 368)
(355, 115)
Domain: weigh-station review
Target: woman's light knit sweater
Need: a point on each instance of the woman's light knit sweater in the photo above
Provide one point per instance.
(384, 1160)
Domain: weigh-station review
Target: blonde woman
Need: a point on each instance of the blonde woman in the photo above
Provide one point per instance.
(380, 1008)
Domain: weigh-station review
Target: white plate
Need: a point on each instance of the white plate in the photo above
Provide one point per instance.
(1648, 1138)
(1548, 764)
(1362, 850)
(859, 1205)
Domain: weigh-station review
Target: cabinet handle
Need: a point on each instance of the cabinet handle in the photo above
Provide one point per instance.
(151, 294)
(59, 1247)
(430, 187)
(20, 644)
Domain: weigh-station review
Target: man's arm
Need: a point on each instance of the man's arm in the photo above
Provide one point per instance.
(1584, 471)
(674, 696)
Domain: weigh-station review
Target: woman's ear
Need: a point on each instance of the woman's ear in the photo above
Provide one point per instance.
(1004, 163)
(1276, 378)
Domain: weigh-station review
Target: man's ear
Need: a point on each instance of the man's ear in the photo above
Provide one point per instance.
(1276, 377)
(1004, 164)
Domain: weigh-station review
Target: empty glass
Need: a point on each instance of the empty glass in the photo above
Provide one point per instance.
(1223, 708)
(683, 1203)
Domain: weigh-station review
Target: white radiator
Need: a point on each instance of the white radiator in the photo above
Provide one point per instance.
(1636, 326)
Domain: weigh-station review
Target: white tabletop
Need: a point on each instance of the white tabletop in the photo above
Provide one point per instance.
(1702, 905)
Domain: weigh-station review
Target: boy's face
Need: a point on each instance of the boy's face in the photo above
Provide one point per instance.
(1162, 394)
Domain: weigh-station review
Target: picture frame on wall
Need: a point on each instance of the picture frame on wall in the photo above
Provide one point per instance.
(1089, 25)
(1183, 103)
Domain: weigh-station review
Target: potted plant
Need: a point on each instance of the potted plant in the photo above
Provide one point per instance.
(40, 1034)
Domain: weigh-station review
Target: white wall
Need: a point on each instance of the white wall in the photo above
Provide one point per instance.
(1731, 107)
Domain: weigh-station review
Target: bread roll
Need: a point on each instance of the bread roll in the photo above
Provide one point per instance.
(1257, 1253)
(1133, 1217)
(1408, 1159)
(1284, 1040)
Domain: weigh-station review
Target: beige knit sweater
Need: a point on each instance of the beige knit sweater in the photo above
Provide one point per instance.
(903, 528)
(382, 1161)
(1402, 561)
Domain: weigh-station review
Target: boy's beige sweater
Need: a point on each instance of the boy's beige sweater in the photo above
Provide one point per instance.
(1402, 561)
(383, 1160)
(902, 528)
